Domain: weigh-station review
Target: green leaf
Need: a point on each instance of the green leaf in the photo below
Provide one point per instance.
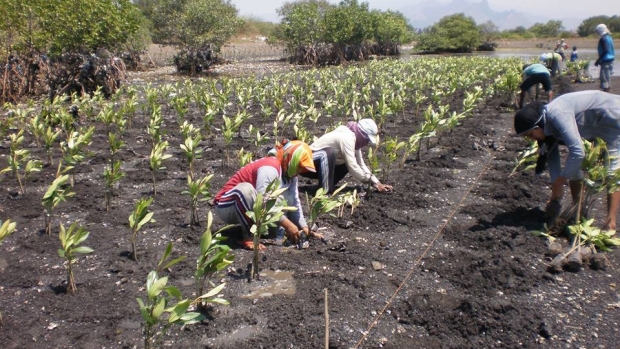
(159, 308)
(83, 250)
(213, 291)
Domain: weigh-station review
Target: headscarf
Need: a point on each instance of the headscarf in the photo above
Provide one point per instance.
(295, 157)
(361, 139)
(601, 29)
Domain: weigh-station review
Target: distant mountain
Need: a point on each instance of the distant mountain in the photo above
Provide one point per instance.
(427, 13)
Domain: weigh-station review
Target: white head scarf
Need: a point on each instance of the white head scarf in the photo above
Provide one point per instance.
(601, 29)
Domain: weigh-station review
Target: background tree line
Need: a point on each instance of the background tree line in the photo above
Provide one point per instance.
(460, 33)
(36, 33)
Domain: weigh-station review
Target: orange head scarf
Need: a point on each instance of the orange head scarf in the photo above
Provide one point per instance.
(295, 157)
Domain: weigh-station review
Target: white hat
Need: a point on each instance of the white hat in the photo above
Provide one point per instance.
(369, 127)
(601, 29)
(543, 57)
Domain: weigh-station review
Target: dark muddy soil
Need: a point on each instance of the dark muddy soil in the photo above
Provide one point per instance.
(445, 261)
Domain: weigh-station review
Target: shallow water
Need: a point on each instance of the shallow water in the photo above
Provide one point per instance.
(529, 54)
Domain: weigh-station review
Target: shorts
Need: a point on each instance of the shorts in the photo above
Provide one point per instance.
(536, 79)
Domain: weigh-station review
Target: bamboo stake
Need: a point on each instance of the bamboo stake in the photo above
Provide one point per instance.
(326, 320)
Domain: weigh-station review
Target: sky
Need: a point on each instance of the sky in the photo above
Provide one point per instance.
(266, 9)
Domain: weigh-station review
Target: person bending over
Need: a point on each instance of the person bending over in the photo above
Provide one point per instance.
(566, 121)
(338, 152)
(534, 74)
(283, 163)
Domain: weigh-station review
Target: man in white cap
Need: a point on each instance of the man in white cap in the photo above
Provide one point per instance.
(606, 56)
(338, 152)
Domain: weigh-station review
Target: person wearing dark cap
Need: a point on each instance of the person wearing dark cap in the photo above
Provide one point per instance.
(338, 152)
(606, 56)
(534, 74)
(566, 121)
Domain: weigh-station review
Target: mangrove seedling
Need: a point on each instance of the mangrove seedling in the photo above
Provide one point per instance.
(527, 158)
(230, 127)
(164, 262)
(49, 138)
(373, 164)
(158, 155)
(392, 147)
(267, 210)
(322, 203)
(155, 123)
(244, 157)
(348, 199)
(70, 240)
(111, 175)
(214, 257)
(191, 149)
(138, 218)
(20, 158)
(6, 228)
(157, 312)
(198, 190)
(74, 150)
(54, 195)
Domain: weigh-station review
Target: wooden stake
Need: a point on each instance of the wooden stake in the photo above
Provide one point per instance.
(326, 320)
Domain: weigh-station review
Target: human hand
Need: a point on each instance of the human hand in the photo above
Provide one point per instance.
(383, 187)
(312, 233)
(293, 236)
(597, 63)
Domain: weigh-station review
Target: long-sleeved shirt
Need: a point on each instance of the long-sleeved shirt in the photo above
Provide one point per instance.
(576, 116)
(606, 52)
(260, 174)
(342, 142)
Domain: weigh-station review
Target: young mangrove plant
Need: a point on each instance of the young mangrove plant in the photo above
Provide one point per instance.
(198, 190)
(231, 126)
(266, 212)
(6, 228)
(138, 218)
(20, 158)
(392, 148)
(259, 139)
(111, 176)
(158, 155)
(373, 164)
(74, 150)
(322, 203)
(191, 146)
(55, 194)
(49, 138)
(158, 312)
(164, 263)
(37, 127)
(351, 199)
(214, 257)
(70, 240)
(244, 157)
(155, 122)
(527, 158)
